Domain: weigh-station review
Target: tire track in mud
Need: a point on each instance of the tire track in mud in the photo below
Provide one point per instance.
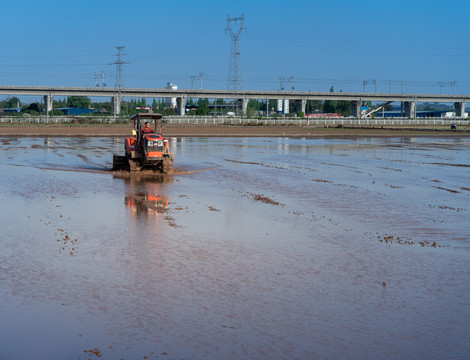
(449, 164)
(299, 169)
(449, 190)
(257, 163)
(86, 160)
(72, 169)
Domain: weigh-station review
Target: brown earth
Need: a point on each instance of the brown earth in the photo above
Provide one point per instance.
(224, 131)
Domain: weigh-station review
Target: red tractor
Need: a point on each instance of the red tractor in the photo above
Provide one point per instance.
(147, 148)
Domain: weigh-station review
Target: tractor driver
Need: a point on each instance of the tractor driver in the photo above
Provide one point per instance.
(147, 129)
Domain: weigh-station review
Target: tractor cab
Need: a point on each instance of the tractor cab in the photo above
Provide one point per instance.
(144, 133)
(147, 141)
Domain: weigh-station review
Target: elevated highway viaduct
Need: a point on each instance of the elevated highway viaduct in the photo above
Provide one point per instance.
(242, 96)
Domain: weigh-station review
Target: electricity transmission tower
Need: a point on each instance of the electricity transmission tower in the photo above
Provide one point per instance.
(119, 76)
(201, 77)
(235, 81)
(103, 84)
(291, 83)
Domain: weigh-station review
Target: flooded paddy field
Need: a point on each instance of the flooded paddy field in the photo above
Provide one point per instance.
(257, 248)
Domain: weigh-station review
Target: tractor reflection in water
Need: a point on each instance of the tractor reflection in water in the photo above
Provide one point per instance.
(143, 196)
(148, 204)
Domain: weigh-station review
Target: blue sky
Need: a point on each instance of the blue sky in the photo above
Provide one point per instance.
(319, 43)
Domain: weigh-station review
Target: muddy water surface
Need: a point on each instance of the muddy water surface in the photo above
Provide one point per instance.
(267, 248)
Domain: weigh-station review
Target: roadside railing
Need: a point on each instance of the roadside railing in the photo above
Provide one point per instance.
(237, 120)
(56, 119)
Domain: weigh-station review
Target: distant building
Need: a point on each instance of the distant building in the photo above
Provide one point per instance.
(171, 102)
(146, 108)
(323, 115)
(76, 111)
(10, 110)
(419, 114)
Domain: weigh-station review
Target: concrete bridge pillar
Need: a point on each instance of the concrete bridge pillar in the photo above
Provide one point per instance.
(356, 106)
(48, 103)
(300, 105)
(116, 105)
(410, 109)
(459, 109)
(181, 105)
(242, 106)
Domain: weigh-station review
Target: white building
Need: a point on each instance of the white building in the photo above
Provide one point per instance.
(171, 102)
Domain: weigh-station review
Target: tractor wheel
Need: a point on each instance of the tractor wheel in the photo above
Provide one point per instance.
(167, 166)
(134, 165)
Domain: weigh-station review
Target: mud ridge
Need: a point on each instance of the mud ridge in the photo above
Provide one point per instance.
(449, 190)
(448, 164)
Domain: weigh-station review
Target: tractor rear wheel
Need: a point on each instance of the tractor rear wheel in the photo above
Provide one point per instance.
(167, 166)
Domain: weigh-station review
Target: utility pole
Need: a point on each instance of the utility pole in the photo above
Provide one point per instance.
(96, 79)
(102, 79)
(281, 79)
(235, 80)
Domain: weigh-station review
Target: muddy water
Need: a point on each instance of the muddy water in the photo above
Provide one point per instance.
(258, 249)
